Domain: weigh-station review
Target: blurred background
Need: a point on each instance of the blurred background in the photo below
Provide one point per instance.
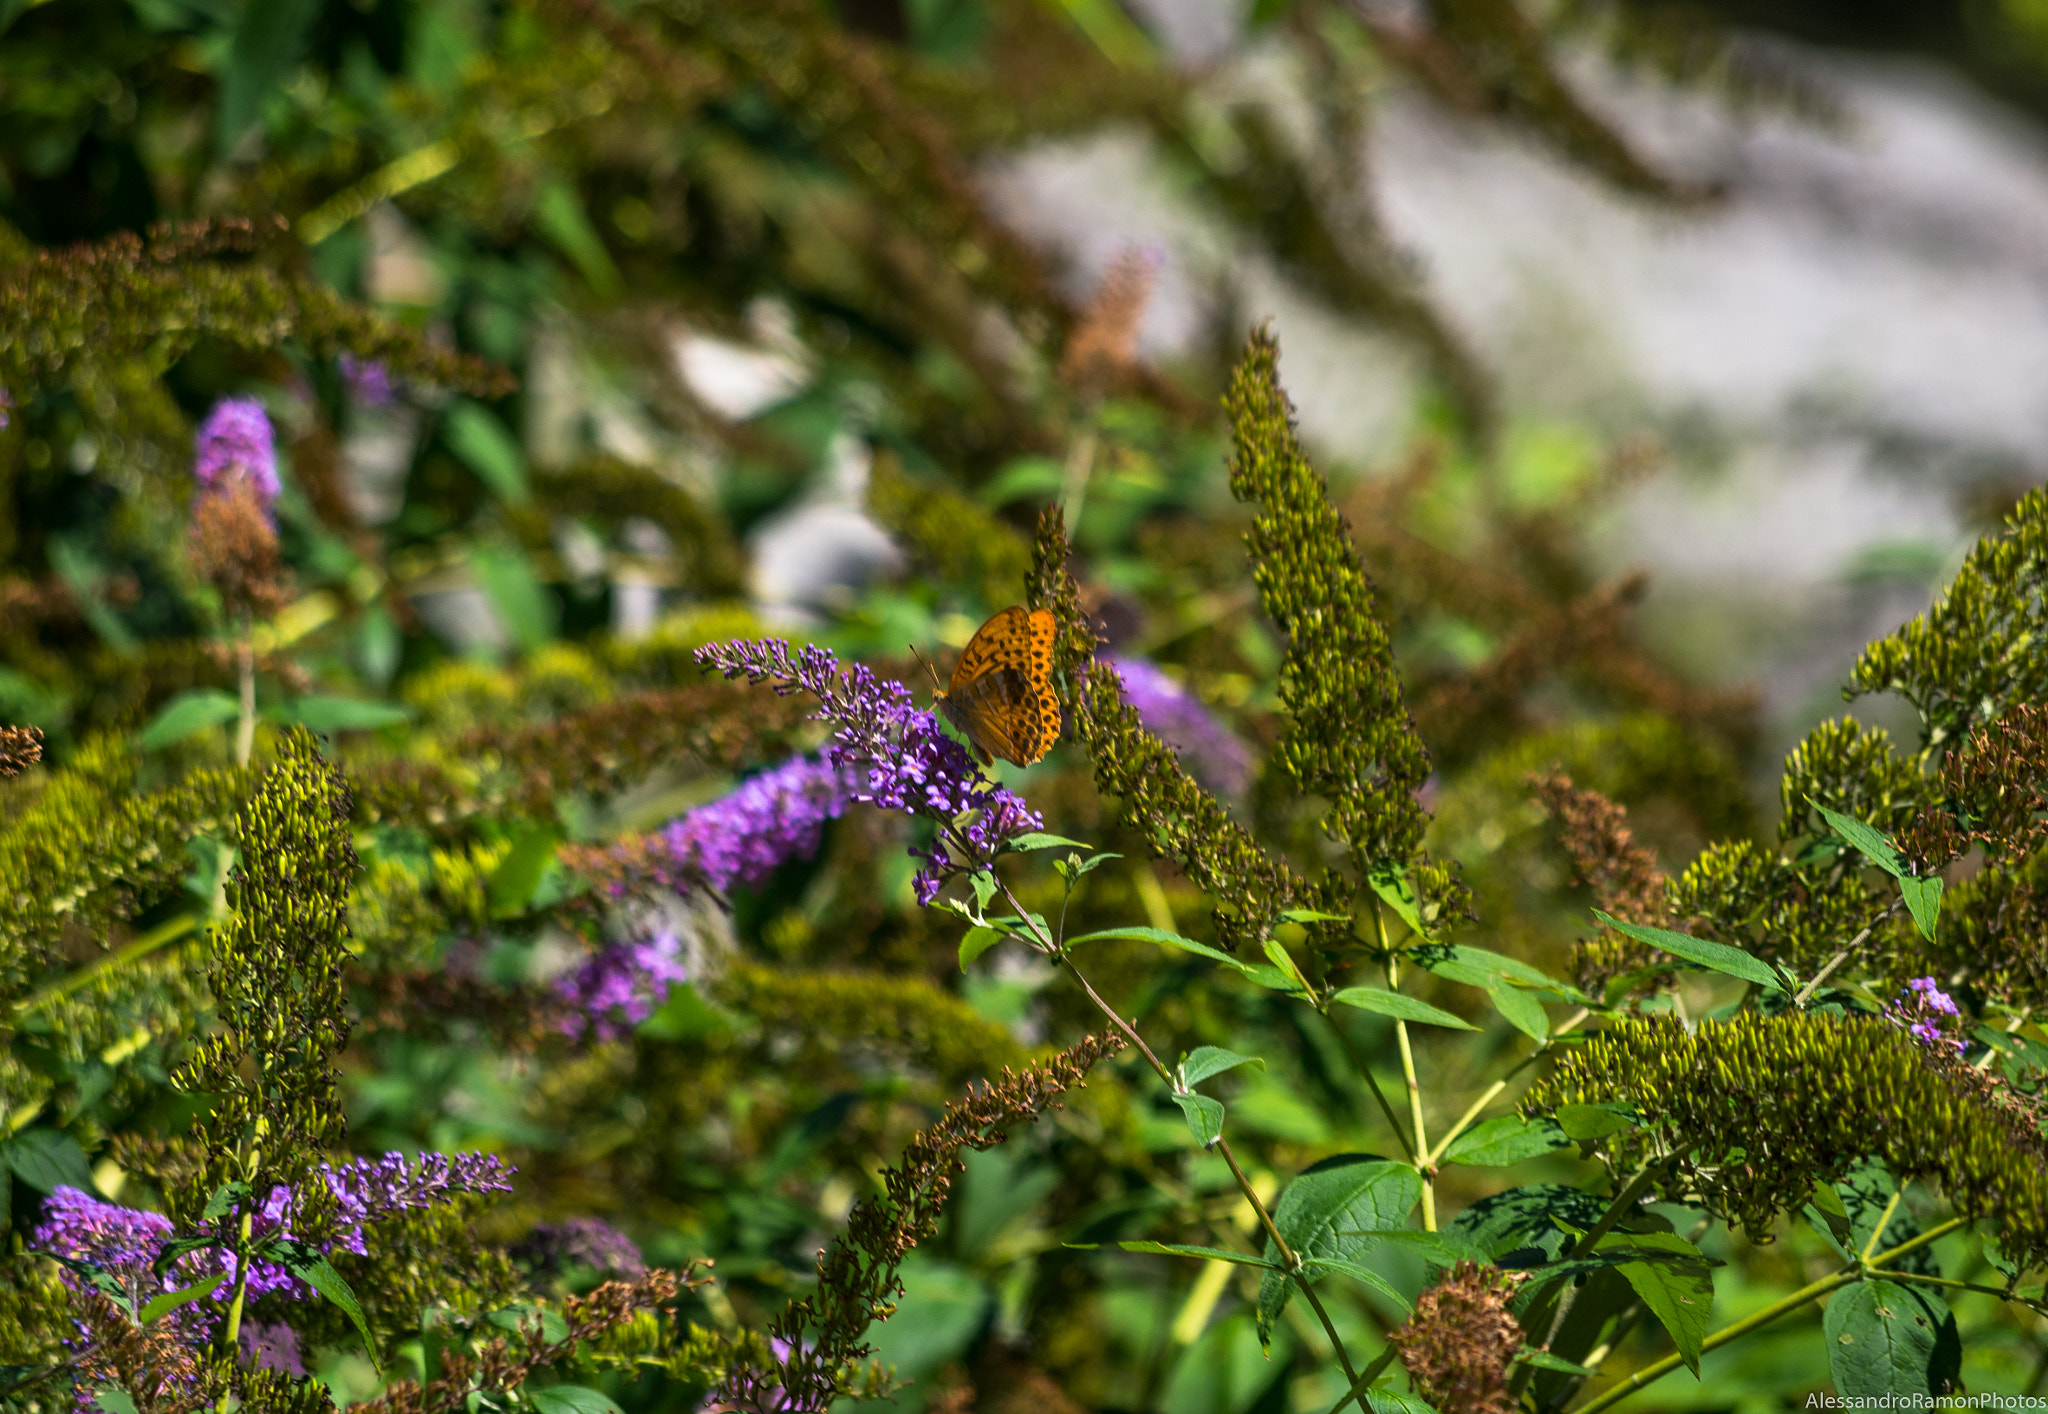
(1662, 355)
(1784, 261)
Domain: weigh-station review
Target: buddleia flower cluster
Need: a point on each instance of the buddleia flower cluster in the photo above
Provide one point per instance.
(97, 1238)
(1212, 753)
(740, 838)
(233, 532)
(900, 756)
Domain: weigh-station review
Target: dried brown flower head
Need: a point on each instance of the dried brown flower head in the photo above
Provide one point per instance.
(1102, 350)
(234, 547)
(20, 748)
(1459, 1344)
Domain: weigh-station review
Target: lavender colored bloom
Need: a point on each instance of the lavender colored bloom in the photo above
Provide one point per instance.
(774, 817)
(123, 1243)
(1211, 751)
(272, 1345)
(371, 1190)
(236, 440)
(907, 761)
(620, 986)
(750, 1391)
(1927, 1012)
(583, 1242)
(367, 379)
(1931, 995)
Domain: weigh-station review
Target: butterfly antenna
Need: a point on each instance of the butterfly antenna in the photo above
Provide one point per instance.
(928, 668)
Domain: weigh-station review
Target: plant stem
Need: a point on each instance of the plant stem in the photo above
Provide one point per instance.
(1811, 1292)
(1492, 1091)
(1289, 1258)
(168, 931)
(245, 725)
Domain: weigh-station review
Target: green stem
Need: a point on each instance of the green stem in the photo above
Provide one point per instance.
(168, 931)
(245, 724)
(1493, 1091)
(1807, 1294)
(1364, 1381)
(1289, 1258)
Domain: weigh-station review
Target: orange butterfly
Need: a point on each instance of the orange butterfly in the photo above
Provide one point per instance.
(1000, 693)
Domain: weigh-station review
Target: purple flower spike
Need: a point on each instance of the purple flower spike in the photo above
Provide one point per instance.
(775, 817)
(1211, 752)
(236, 440)
(582, 1242)
(1927, 1013)
(367, 379)
(620, 987)
(901, 758)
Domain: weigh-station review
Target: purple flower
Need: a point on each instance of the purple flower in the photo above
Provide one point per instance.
(1931, 995)
(747, 1390)
(901, 758)
(271, 1345)
(1927, 1012)
(367, 379)
(774, 817)
(1211, 751)
(620, 986)
(236, 440)
(371, 1190)
(583, 1242)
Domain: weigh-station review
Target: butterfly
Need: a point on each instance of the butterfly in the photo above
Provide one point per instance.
(1000, 693)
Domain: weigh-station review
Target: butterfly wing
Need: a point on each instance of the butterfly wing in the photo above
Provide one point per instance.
(1001, 692)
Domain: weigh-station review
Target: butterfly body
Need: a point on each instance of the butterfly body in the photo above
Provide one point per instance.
(1000, 695)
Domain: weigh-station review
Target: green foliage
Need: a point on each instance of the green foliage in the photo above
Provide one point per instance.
(1828, 1091)
(1348, 738)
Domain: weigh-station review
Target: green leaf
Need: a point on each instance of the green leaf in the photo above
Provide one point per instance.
(977, 941)
(571, 1399)
(160, 1306)
(1205, 1117)
(516, 879)
(1310, 915)
(188, 714)
(1385, 1003)
(1395, 890)
(168, 1253)
(1357, 1273)
(268, 39)
(1923, 901)
(1163, 938)
(1588, 1122)
(1886, 1337)
(1394, 1401)
(340, 714)
(1205, 1061)
(1476, 967)
(531, 1316)
(1038, 839)
(1282, 963)
(1678, 1286)
(983, 882)
(309, 1264)
(1522, 1010)
(114, 1401)
(558, 214)
(1544, 1360)
(1175, 1249)
(225, 1199)
(487, 448)
(1872, 845)
(47, 1159)
(1716, 957)
(521, 601)
(1356, 1192)
(1442, 1249)
(1507, 1139)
